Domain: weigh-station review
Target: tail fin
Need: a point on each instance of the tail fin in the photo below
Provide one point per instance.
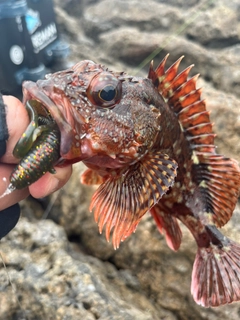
(216, 275)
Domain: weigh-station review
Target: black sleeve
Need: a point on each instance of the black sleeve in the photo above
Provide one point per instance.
(8, 217)
(3, 127)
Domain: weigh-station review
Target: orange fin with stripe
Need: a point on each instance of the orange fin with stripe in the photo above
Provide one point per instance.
(167, 225)
(122, 200)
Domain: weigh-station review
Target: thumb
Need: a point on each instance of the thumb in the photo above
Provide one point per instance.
(17, 121)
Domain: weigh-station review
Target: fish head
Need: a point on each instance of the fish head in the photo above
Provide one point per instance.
(106, 118)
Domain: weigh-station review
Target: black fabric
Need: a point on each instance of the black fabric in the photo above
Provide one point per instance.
(3, 127)
(8, 219)
(2, 148)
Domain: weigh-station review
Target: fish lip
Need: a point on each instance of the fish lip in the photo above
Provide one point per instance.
(38, 91)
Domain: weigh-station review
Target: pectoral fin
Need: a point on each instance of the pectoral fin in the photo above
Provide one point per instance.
(122, 200)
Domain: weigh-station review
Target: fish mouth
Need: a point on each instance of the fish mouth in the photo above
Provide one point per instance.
(60, 111)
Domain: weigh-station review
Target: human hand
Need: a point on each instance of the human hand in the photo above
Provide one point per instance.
(17, 121)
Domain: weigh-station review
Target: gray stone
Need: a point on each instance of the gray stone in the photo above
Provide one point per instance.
(213, 28)
(225, 115)
(53, 281)
(180, 3)
(147, 16)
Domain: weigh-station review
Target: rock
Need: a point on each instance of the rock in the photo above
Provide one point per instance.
(54, 279)
(180, 3)
(147, 16)
(212, 28)
(226, 118)
(141, 47)
(133, 33)
(54, 282)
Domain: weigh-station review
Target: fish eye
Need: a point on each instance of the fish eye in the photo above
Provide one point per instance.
(108, 93)
(104, 90)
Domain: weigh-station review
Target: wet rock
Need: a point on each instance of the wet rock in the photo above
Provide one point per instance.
(54, 282)
(147, 16)
(138, 45)
(230, 72)
(213, 28)
(226, 118)
(180, 3)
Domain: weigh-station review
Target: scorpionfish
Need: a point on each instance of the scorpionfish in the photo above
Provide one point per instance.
(149, 144)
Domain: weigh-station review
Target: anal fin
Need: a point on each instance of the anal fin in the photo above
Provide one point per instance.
(167, 225)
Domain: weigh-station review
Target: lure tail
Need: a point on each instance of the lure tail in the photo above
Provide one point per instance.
(216, 275)
(9, 189)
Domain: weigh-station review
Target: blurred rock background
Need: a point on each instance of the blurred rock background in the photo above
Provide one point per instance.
(60, 267)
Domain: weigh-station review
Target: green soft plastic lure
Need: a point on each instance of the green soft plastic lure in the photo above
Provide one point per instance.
(38, 148)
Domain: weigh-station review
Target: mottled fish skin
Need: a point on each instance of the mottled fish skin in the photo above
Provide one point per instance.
(149, 143)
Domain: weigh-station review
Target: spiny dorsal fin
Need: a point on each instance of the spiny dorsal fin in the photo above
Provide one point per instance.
(218, 177)
(185, 100)
(121, 201)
